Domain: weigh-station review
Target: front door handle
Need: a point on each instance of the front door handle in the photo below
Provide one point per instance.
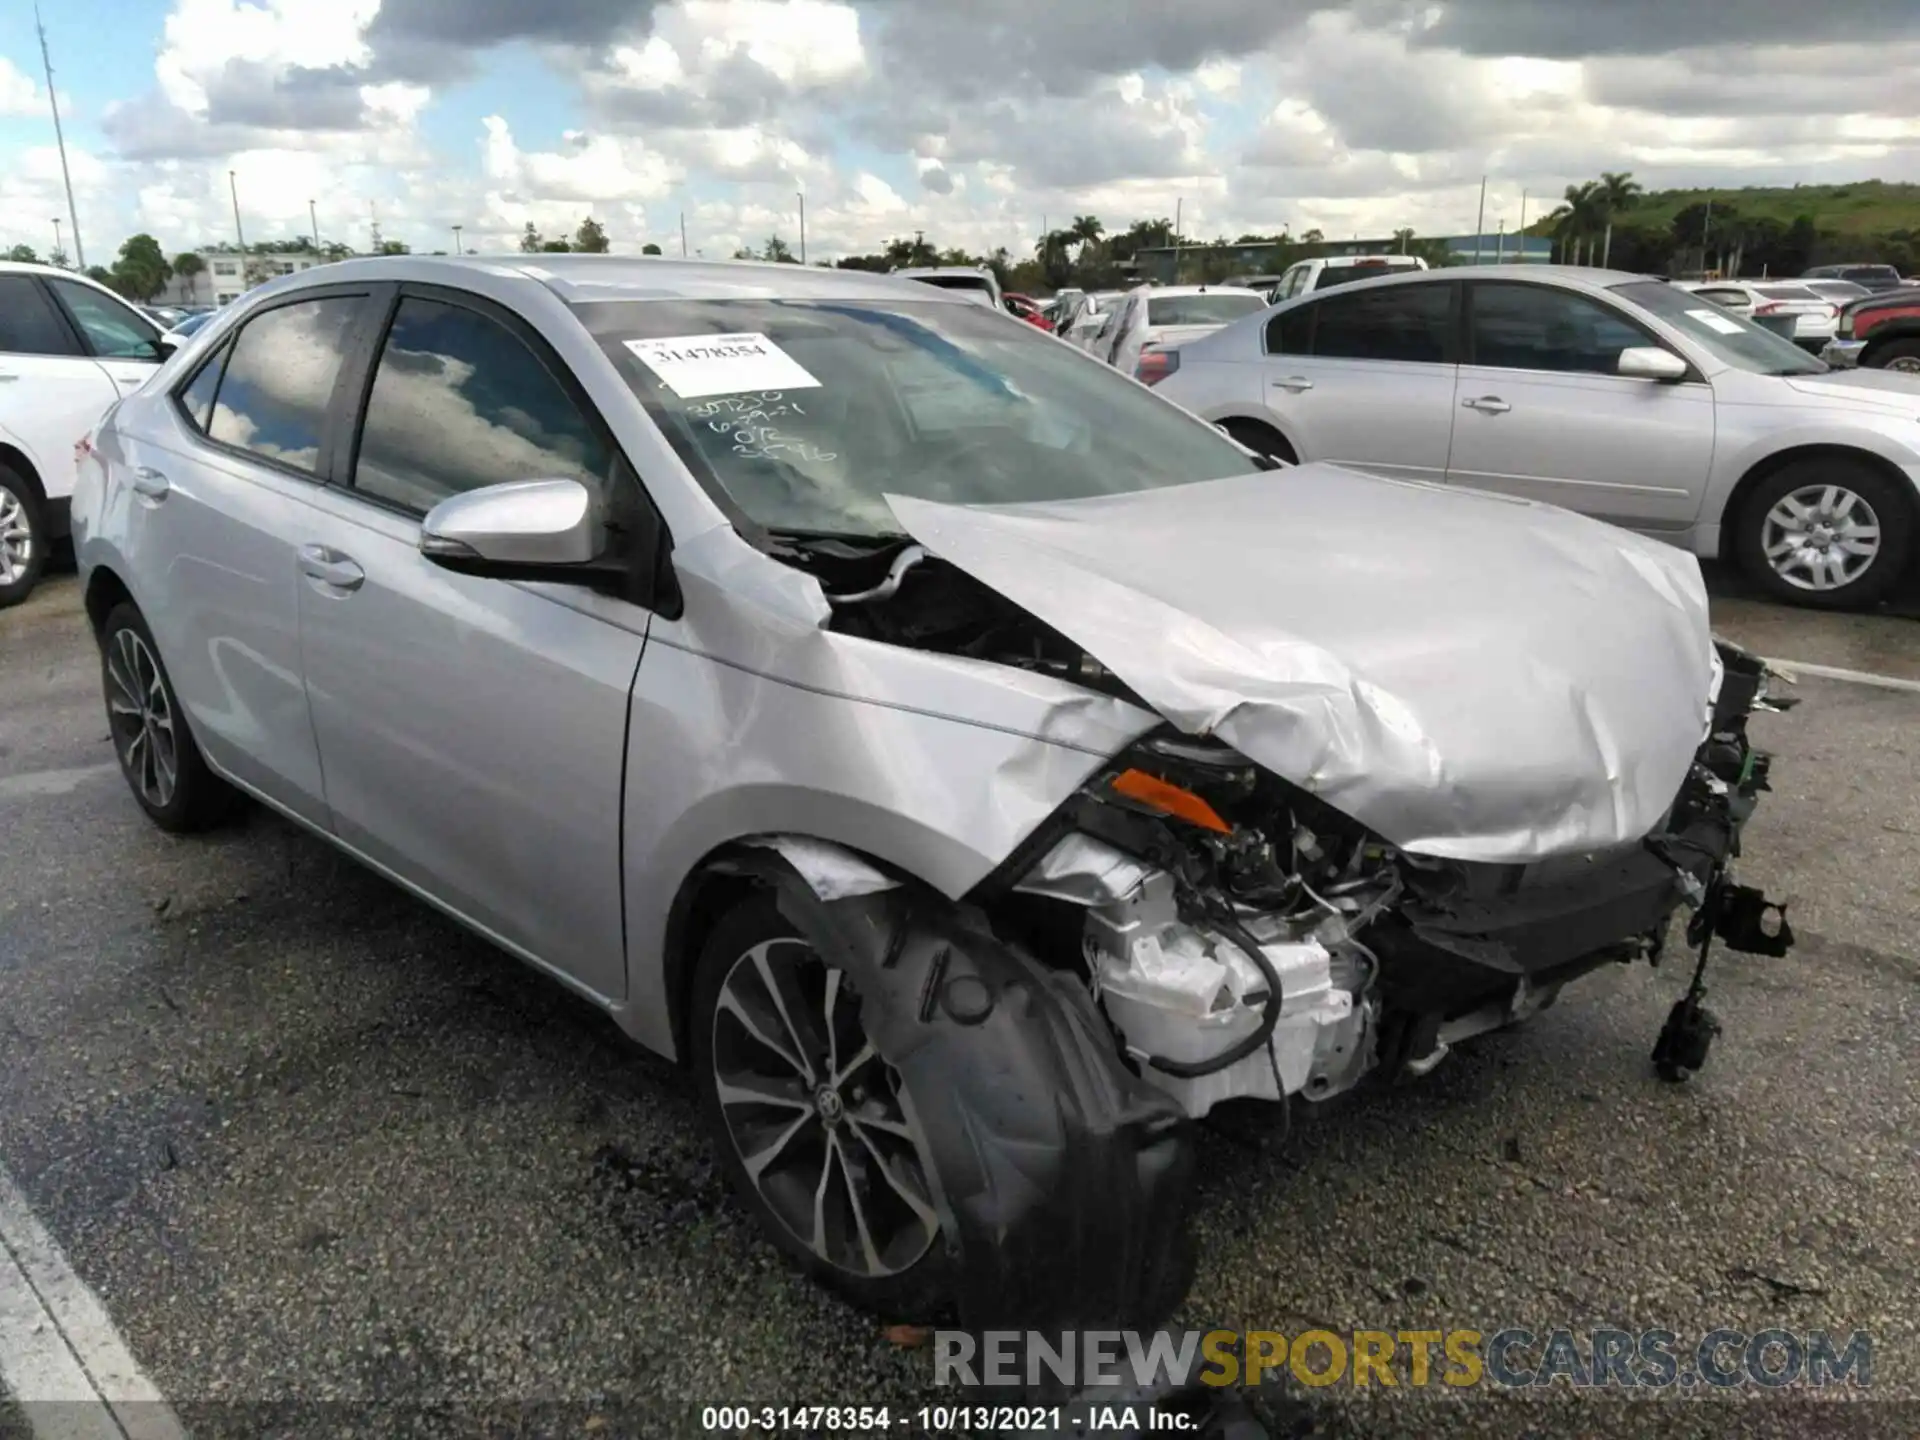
(1487, 405)
(150, 483)
(1293, 383)
(330, 568)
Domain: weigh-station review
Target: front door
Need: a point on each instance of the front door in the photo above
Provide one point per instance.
(1364, 378)
(1543, 412)
(472, 731)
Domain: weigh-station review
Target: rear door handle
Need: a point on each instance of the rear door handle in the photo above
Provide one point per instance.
(1293, 383)
(150, 482)
(330, 568)
(1487, 405)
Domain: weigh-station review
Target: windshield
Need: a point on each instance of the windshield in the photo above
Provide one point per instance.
(805, 414)
(1738, 342)
(1212, 309)
(1344, 274)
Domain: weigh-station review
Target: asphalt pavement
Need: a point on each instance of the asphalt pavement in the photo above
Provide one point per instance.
(332, 1165)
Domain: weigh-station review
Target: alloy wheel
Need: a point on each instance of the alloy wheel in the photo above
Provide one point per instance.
(16, 538)
(815, 1115)
(142, 718)
(1906, 364)
(1820, 537)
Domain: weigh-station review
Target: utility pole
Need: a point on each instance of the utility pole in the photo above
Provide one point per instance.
(801, 196)
(58, 248)
(456, 240)
(1522, 257)
(373, 212)
(314, 216)
(1500, 244)
(1480, 225)
(683, 234)
(1178, 201)
(233, 188)
(60, 139)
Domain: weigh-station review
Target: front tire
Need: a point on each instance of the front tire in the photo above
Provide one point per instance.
(1901, 355)
(812, 1126)
(162, 764)
(23, 537)
(1832, 534)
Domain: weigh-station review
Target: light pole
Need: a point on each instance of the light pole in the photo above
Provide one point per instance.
(233, 189)
(456, 241)
(801, 196)
(1480, 225)
(60, 139)
(58, 249)
(314, 216)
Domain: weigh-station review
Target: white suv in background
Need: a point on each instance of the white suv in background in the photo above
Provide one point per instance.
(1326, 271)
(69, 349)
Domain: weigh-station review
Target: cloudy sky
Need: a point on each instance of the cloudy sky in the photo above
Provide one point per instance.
(974, 120)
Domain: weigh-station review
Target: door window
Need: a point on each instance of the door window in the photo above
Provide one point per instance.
(1400, 322)
(460, 402)
(196, 396)
(113, 331)
(29, 325)
(1537, 327)
(280, 379)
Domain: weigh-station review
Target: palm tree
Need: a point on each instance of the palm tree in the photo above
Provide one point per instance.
(1617, 192)
(190, 267)
(1577, 219)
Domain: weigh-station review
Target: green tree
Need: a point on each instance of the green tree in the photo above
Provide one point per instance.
(189, 267)
(1577, 220)
(649, 249)
(590, 239)
(530, 241)
(141, 271)
(745, 252)
(1618, 193)
(777, 250)
(394, 247)
(554, 247)
(23, 255)
(100, 274)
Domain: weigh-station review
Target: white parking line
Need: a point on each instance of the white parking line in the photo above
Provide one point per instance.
(1792, 668)
(61, 1360)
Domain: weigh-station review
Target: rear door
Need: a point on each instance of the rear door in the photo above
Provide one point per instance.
(51, 391)
(1542, 412)
(473, 730)
(1365, 377)
(124, 342)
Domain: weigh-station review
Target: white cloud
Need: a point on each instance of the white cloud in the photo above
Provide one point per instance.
(18, 94)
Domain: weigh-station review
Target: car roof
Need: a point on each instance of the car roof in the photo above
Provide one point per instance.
(957, 272)
(582, 279)
(1156, 290)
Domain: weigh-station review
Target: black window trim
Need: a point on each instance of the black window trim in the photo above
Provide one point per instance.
(178, 395)
(73, 333)
(1620, 312)
(346, 428)
(73, 321)
(323, 462)
(1453, 348)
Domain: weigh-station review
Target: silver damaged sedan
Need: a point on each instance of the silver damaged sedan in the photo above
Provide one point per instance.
(971, 766)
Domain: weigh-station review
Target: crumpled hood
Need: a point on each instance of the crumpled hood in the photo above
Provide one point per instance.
(1468, 675)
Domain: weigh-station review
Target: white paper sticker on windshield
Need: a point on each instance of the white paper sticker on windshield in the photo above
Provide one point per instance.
(695, 365)
(1714, 320)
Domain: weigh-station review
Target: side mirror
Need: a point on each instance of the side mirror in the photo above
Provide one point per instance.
(522, 530)
(164, 348)
(1650, 362)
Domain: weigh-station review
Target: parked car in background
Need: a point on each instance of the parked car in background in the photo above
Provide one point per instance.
(963, 851)
(1839, 292)
(1157, 316)
(1331, 270)
(1265, 284)
(1881, 332)
(1084, 315)
(980, 285)
(1623, 397)
(68, 350)
(188, 326)
(1027, 309)
(1788, 308)
(1870, 277)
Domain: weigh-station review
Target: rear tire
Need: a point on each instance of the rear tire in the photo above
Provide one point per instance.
(23, 537)
(151, 739)
(1901, 355)
(1803, 529)
(853, 1138)
(1261, 439)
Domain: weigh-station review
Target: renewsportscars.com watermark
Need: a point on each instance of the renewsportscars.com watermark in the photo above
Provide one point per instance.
(1512, 1358)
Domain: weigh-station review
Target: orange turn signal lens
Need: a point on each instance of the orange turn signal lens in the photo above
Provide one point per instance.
(1157, 794)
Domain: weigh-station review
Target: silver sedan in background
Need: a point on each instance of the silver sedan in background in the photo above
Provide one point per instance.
(1620, 396)
(971, 765)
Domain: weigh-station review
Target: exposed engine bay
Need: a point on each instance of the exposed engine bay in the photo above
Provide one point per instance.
(1246, 940)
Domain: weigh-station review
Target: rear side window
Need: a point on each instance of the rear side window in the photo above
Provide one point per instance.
(29, 325)
(280, 378)
(460, 402)
(1401, 322)
(1291, 332)
(196, 398)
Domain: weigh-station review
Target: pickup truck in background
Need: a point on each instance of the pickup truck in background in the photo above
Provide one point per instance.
(1880, 331)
